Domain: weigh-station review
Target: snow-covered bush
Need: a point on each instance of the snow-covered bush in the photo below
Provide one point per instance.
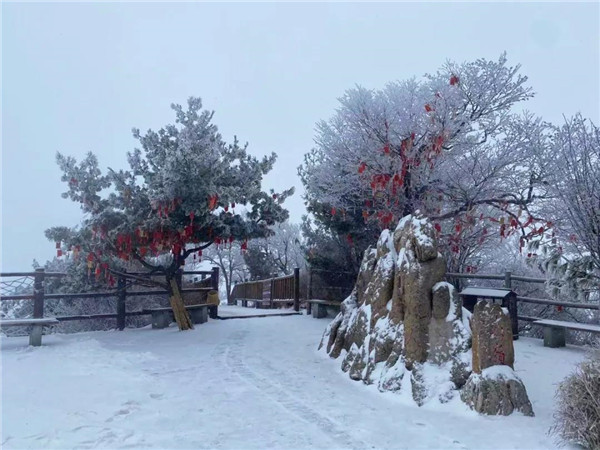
(577, 418)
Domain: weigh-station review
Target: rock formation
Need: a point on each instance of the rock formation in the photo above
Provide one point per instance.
(403, 320)
(493, 387)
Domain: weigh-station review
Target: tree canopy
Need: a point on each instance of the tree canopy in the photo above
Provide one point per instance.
(448, 146)
(185, 190)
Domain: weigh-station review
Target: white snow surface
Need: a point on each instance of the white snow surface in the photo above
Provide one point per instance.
(387, 239)
(499, 372)
(417, 225)
(247, 383)
(241, 311)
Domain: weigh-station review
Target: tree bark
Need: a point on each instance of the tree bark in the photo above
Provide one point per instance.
(181, 315)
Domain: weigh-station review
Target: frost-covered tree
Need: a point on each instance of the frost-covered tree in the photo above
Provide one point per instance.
(572, 252)
(277, 254)
(178, 198)
(335, 244)
(229, 257)
(447, 145)
(284, 247)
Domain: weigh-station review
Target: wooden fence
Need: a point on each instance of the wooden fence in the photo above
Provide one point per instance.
(508, 280)
(270, 291)
(121, 293)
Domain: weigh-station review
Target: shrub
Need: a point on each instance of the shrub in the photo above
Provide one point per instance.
(577, 418)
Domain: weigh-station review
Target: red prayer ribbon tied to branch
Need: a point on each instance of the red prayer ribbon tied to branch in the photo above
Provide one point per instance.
(212, 201)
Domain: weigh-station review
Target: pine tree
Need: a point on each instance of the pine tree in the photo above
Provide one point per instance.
(186, 189)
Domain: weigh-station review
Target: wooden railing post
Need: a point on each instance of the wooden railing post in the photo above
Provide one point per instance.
(38, 293)
(214, 279)
(296, 289)
(271, 293)
(508, 280)
(121, 299)
(514, 315)
(512, 305)
(310, 292)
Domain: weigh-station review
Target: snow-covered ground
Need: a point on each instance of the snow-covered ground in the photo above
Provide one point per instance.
(248, 383)
(240, 311)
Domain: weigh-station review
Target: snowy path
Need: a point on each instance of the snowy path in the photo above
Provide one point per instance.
(240, 311)
(255, 383)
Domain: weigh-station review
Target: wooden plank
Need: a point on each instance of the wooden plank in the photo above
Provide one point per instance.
(16, 297)
(38, 293)
(296, 289)
(325, 302)
(121, 302)
(285, 277)
(100, 294)
(200, 306)
(485, 292)
(528, 279)
(261, 316)
(528, 318)
(160, 274)
(494, 277)
(475, 276)
(87, 317)
(23, 322)
(571, 325)
(544, 301)
(83, 295)
(31, 274)
(101, 316)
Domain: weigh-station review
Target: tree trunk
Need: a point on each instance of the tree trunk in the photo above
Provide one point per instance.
(228, 287)
(181, 315)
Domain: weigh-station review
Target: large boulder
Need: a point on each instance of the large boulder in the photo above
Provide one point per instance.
(493, 387)
(497, 390)
(365, 273)
(417, 281)
(449, 332)
(420, 267)
(335, 334)
(404, 327)
(492, 337)
(358, 327)
(378, 293)
(419, 236)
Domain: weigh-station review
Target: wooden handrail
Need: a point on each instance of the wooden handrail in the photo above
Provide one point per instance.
(475, 276)
(483, 276)
(121, 293)
(285, 287)
(544, 301)
(64, 274)
(31, 274)
(84, 295)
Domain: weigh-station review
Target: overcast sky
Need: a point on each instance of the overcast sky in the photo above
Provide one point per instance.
(78, 77)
